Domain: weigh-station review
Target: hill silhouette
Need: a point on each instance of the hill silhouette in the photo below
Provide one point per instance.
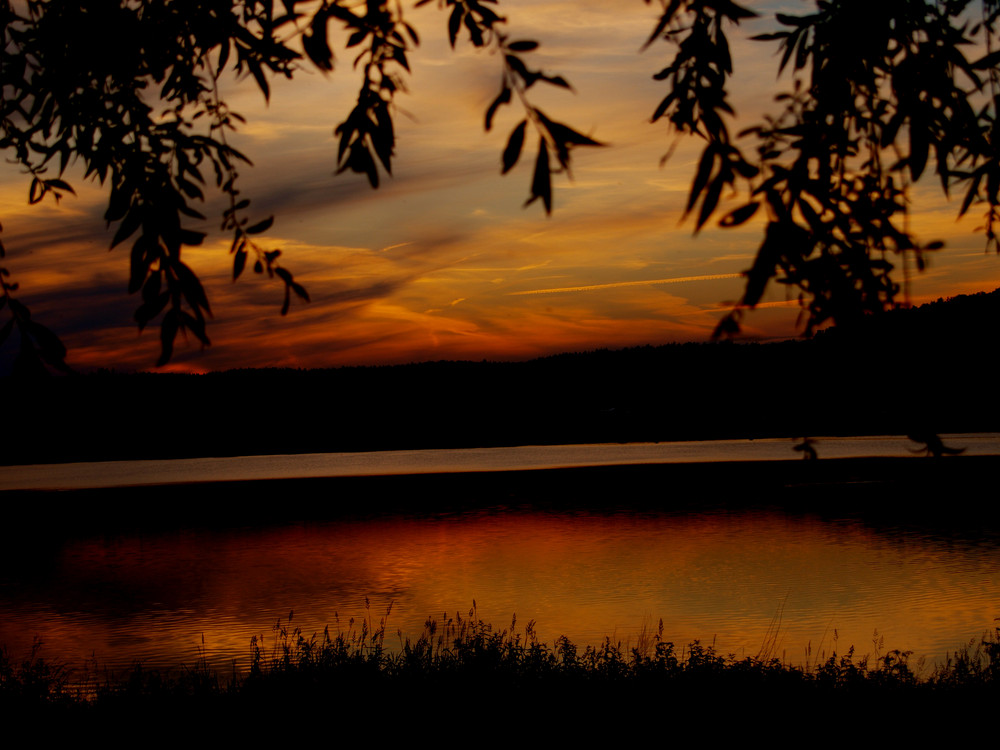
(912, 370)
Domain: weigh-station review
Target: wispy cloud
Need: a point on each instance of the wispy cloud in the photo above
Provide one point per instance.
(618, 284)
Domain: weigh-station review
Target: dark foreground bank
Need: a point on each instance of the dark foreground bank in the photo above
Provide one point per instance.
(464, 681)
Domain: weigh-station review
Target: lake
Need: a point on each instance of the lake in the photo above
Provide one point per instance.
(784, 573)
(517, 458)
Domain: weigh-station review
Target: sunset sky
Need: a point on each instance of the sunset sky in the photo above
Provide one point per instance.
(442, 261)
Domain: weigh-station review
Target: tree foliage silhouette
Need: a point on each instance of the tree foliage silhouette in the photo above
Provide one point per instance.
(881, 93)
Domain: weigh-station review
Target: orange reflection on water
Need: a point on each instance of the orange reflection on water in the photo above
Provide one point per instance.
(722, 576)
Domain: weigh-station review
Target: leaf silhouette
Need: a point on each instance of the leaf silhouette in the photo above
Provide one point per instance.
(512, 152)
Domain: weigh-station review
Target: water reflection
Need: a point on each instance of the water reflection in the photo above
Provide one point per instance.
(722, 576)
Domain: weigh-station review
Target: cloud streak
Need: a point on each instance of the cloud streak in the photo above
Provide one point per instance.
(619, 284)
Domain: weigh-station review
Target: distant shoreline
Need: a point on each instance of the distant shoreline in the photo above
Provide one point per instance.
(911, 371)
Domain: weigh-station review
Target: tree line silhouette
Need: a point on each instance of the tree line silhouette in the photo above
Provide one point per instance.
(906, 372)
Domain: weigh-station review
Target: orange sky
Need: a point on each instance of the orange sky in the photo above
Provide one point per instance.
(442, 261)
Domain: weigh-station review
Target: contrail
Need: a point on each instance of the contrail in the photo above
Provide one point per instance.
(647, 282)
(393, 247)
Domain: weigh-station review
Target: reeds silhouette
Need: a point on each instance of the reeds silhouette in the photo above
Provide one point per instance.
(470, 669)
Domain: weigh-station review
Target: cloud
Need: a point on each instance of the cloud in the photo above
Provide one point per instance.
(620, 284)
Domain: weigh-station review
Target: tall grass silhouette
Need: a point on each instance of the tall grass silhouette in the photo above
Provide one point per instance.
(464, 671)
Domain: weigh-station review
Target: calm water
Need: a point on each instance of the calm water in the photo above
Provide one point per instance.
(720, 576)
(129, 473)
(716, 575)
